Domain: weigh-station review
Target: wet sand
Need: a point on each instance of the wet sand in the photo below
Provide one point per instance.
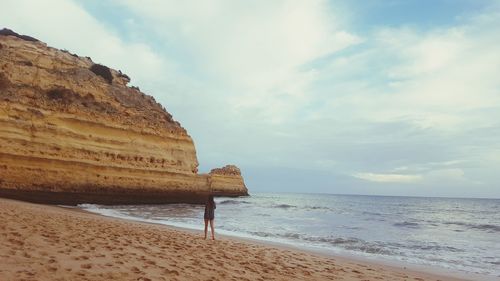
(40, 242)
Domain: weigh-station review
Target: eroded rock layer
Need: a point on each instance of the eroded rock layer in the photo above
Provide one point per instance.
(72, 131)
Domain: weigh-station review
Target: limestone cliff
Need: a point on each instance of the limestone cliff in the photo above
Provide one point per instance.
(72, 131)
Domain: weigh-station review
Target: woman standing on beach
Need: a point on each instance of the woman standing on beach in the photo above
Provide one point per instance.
(210, 215)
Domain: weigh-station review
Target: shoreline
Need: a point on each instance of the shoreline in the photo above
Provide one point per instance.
(61, 242)
(397, 265)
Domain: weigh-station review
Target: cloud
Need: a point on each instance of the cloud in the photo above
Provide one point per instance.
(429, 78)
(253, 52)
(451, 176)
(432, 91)
(388, 178)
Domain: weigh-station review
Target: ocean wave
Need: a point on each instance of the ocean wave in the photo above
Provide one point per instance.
(284, 206)
(88, 206)
(261, 234)
(430, 247)
(335, 240)
(320, 239)
(492, 228)
(378, 247)
(264, 214)
(292, 235)
(232, 201)
(353, 244)
(407, 224)
(371, 249)
(359, 245)
(371, 213)
(317, 208)
(350, 227)
(487, 227)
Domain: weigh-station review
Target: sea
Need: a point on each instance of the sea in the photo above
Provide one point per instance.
(454, 234)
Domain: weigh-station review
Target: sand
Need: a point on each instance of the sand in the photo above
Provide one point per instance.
(40, 242)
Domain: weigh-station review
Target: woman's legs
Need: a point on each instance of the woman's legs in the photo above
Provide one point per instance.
(212, 229)
(206, 227)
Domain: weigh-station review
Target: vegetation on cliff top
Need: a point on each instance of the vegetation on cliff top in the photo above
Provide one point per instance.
(102, 71)
(8, 32)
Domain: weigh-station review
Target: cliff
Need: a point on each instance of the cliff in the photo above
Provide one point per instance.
(72, 131)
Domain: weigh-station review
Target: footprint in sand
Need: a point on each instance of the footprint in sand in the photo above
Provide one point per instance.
(86, 266)
(29, 273)
(51, 268)
(26, 255)
(173, 272)
(135, 269)
(43, 253)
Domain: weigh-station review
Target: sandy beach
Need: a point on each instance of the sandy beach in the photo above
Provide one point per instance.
(40, 242)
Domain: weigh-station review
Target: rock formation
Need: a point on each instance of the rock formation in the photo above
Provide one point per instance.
(226, 180)
(72, 131)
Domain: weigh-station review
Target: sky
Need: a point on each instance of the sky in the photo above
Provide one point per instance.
(346, 97)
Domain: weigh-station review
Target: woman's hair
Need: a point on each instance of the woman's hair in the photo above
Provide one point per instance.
(211, 200)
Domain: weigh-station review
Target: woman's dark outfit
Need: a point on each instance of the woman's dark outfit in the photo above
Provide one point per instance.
(210, 211)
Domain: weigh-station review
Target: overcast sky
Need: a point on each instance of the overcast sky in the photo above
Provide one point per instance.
(353, 97)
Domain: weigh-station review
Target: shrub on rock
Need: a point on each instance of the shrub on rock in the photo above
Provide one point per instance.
(102, 71)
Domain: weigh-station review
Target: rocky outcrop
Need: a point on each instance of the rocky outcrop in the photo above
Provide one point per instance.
(72, 131)
(227, 180)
